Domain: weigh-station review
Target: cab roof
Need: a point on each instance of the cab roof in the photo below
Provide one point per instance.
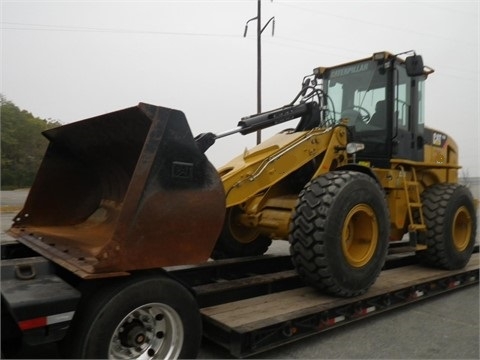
(383, 56)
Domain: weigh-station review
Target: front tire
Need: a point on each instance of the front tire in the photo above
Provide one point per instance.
(451, 222)
(339, 233)
(142, 318)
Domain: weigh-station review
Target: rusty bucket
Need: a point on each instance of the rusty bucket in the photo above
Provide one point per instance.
(123, 191)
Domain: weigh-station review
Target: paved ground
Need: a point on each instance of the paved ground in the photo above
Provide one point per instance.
(445, 327)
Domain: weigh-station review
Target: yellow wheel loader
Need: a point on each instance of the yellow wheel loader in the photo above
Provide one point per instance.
(359, 170)
(121, 198)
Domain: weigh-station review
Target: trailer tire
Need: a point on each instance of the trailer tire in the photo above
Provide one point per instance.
(449, 214)
(237, 240)
(339, 233)
(152, 317)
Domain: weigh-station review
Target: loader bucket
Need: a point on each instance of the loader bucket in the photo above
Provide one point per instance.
(123, 191)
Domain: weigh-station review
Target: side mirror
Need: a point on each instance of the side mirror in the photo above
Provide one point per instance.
(414, 65)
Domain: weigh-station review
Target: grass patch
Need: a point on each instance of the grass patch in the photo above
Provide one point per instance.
(4, 209)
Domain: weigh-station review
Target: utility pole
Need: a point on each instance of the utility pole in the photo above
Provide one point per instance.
(259, 56)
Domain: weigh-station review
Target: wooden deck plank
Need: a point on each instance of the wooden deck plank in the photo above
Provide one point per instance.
(247, 314)
(245, 282)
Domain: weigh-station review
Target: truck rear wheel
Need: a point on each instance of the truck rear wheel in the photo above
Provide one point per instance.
(339, 233)
(146, 318)
(451, 222)
(237, 240)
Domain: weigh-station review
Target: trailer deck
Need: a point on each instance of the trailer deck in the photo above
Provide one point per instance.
(265, 304)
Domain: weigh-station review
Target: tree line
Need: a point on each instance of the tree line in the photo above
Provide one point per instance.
(22, 145)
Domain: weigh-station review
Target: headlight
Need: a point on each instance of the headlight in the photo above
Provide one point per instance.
(353, 148)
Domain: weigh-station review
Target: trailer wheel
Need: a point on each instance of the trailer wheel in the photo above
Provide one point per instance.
(339, 233)
(237, 240)
(451, 222)
(146, 318)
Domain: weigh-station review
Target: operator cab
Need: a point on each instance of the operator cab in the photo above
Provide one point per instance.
(382, 100)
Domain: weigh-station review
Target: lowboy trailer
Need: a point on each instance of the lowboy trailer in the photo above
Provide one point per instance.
(249, 305)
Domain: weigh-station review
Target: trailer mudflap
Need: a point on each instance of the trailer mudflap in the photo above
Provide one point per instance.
(38, 301)
(123, 191)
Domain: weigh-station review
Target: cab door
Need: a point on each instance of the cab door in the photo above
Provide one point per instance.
(408, 116)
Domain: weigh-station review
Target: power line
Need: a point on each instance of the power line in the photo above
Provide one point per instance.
(397, 28)
(320, 45)
(65, 28)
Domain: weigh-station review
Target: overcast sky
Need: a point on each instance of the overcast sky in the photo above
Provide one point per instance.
(70, 60)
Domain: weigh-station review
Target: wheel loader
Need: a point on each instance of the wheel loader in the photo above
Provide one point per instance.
(120, 197)
(359, 170)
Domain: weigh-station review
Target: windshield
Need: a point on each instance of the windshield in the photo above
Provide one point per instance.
(357, 92)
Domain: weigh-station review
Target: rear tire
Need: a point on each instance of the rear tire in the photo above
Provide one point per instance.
(149, 317)
(451, 222)
(339, 233)
(237, 240)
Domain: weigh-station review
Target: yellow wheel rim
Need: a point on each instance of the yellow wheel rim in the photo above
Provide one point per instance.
(360, 235)
(461, 229)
